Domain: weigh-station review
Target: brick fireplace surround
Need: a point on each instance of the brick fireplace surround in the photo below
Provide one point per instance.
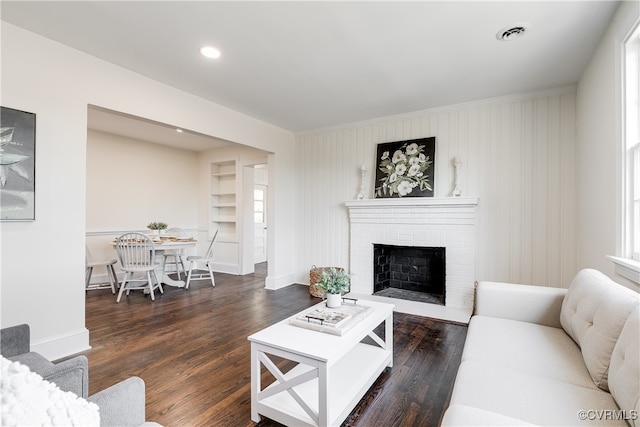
(419, 221)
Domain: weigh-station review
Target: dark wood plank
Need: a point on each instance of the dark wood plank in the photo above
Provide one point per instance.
(191, 349)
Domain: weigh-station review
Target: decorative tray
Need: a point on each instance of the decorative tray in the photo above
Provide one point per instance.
(335, 321)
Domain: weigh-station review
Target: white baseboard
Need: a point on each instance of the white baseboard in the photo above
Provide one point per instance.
(279, 282)
(98, 279)
(226, 268)
(60, 346)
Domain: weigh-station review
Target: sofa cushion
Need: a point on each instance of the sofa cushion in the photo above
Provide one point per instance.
(624, 372)
(593, 314)
(530, 398)
(462, 415)
(35, 361)
(527, 347)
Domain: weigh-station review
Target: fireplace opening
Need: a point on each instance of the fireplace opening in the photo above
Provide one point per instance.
(410, 272)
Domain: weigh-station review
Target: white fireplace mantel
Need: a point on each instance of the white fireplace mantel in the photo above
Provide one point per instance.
(412, 202)
(448, 222)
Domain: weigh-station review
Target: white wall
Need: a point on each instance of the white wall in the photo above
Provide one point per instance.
(57, 84)
(599, 151)
(131, 183)
(545, 168)
(518, 157)
(43, 260)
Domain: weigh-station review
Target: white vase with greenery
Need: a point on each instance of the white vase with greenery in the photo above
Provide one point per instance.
(334, 283)
(156, 227)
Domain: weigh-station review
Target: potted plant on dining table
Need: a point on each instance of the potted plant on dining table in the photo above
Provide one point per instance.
(156, 227)
(334, 283)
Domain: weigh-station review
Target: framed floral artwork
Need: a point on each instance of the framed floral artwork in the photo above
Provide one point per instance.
(405, 168)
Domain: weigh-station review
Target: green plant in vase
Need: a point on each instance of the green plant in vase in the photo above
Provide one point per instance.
(157, 226)
(334, 283)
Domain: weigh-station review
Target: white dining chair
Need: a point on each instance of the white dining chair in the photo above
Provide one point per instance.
(205, 261)
(137, 258)
(174, 256)
(91, 263)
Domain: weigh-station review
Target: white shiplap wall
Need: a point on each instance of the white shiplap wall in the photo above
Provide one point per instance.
(518, 159)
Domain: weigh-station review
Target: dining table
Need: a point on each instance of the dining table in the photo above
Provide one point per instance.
(167, 244)
(161, 244)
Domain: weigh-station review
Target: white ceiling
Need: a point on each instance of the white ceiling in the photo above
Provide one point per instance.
(305, 65)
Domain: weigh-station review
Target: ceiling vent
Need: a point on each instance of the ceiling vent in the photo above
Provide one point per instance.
(513, 32)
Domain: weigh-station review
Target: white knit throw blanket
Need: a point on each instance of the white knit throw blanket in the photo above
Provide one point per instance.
(29, 400)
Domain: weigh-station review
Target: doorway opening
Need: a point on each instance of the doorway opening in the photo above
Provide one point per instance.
(260, 216)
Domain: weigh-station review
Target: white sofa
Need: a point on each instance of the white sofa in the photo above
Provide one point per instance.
(549, 356)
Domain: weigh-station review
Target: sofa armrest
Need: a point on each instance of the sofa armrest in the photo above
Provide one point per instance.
(70, 375)
(122, 404)
(526, 303)
(15, 340)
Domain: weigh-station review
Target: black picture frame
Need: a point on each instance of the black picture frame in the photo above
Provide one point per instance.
(406, 168)
(17, 165)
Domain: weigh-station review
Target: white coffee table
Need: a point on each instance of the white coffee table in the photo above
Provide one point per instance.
(332, 374)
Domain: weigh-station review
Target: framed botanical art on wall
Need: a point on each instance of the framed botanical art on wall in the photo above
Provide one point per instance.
(17, 165)
(405, 168)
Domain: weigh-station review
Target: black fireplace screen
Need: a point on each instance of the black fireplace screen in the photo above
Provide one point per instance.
(410, 268)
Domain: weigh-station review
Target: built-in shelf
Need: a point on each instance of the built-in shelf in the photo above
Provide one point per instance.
(223, 214)
(221, 219)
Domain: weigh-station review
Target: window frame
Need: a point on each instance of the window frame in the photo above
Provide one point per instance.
(631, 142)
(634, 202)
(627, 261)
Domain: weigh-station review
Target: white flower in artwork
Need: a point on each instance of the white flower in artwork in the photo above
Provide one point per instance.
(399, 156)
(404, 188)
(412, 149)
(393, 178)
(414, 170)
(385, 155)
(422, 158)
(401, 169)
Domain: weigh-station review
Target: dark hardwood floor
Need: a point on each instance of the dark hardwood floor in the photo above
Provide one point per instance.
(191, 349)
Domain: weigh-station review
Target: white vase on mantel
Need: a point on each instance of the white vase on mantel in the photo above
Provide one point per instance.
(334, 300)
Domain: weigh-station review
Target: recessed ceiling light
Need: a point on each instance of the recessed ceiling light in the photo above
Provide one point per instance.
(513, 32)
(210, 52)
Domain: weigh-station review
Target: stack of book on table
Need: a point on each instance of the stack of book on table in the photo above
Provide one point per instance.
(334, 321)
